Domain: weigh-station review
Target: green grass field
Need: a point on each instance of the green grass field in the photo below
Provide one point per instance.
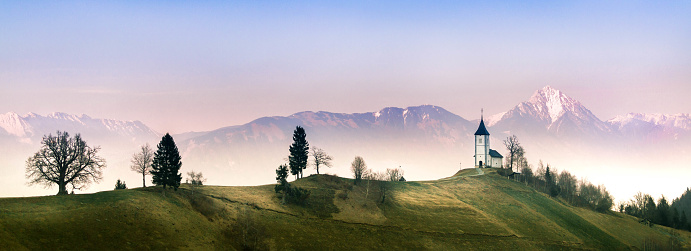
(465, 211)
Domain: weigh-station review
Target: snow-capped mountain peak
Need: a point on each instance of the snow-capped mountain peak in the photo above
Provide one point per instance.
(553, 110)
(553, 102)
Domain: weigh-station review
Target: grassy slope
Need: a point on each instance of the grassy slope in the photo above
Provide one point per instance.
(465, 211)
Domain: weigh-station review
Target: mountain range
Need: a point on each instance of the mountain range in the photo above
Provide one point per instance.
(427, 141)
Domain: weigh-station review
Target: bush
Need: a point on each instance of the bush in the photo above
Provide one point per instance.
(504, 171)
(298, 195)
(295, 195)
(120, 185)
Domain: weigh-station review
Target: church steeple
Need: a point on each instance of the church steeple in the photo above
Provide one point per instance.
(481, 130)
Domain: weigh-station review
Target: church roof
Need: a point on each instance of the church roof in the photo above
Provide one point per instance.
(482, 130)
(493, 153)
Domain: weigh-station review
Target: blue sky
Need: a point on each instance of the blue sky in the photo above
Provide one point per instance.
(184, 66)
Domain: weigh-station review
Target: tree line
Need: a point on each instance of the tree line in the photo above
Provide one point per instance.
(548, 180)
(69, 162)
(663, 213)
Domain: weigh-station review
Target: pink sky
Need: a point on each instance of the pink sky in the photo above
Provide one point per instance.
(193, 67)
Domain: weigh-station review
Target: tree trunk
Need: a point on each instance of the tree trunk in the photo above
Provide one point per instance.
(317, 169)
(62, 188)
(144, 179)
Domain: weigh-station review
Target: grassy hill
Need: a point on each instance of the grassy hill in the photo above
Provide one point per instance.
(464, 211)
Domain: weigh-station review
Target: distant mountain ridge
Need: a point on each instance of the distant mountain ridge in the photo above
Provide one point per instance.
(427, 141)
(32, 127)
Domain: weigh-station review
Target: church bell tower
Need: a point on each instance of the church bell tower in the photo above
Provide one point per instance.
(482, 145)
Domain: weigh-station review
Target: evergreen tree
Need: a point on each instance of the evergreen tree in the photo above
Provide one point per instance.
(552, 188)
(675, 218)
(166, 164)
(650, 209)
(283, 186)
(299, 152)
(662, 212)
(683, 222)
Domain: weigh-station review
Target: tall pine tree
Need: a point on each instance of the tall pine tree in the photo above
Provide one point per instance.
(166, 164)
(299, 152)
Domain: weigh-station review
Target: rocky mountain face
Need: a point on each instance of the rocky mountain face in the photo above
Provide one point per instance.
(550, 111)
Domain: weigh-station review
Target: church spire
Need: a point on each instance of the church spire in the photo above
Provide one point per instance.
(481, 130)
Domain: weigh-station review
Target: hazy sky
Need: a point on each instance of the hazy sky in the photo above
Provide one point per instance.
(188, 66)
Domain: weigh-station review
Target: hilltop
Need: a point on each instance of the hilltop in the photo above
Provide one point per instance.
(469, 210)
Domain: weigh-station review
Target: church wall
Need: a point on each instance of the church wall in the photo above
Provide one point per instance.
(482, 150)
(496, 162)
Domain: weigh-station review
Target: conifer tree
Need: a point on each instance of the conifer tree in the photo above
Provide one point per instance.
(299, 152)
(662, 212)
(683, 222)
(283, 186)
(166, 164)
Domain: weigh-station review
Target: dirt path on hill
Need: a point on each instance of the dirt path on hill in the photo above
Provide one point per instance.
(479, 172)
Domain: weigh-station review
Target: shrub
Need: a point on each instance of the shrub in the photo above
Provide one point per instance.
(298, 195)
(120, 185)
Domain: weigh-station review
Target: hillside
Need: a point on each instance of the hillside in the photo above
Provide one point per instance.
(470, 210)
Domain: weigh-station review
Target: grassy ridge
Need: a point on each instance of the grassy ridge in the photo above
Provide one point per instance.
(465, 211)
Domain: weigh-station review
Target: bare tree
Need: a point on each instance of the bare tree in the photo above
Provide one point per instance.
(252, 232)
(196, 179)
(359, 169)
(141, 162)
(515, 150)
(385, 178)
(63, 160)
(394, 174)
(321, 158)
(568, 184)
(370, 176)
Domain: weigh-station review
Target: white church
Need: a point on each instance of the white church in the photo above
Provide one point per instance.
(484, 156)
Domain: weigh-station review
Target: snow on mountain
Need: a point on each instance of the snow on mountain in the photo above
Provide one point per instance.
(20, 137)
(552, 110)
(492, 120)
(679, 121)
(32, 127)
(652, 127)
(427, 119)
(386, 138)
(14, 125)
